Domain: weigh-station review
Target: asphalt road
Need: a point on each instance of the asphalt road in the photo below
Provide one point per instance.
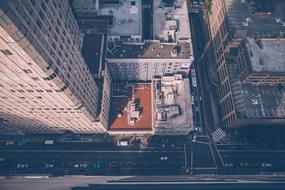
(204, 84)
(85, 159)
(209, 157)
(200, 157)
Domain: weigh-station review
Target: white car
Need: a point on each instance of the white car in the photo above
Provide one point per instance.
(123, 143)
(194, 138)
(49, 165)
(194, 82)
(76, 165)
(266, 165)
(229, 165)
(22, 165)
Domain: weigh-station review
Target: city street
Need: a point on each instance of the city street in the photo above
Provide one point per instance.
(203, 82)
(92, 159)
(160, 157)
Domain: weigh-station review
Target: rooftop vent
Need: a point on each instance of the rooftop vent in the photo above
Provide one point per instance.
(175, 51)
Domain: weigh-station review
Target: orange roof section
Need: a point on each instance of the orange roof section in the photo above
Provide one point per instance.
(122, 93)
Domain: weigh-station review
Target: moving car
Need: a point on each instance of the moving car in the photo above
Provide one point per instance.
(123, 142)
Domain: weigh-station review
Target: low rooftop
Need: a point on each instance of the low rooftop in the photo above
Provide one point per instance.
(173, 110)
(127, 17)
(171, 17)
(267, 54)
(153, 50)
(260, 18)
(122, 94)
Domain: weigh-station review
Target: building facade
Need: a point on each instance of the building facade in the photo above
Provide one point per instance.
(248, 52)
(46, 87)
(146, 69)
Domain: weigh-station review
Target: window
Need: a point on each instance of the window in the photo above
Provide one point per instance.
(39, 23)
(27, 70)
(6, 19)
(35, 78)
(33, 2)
(17, 36)
(43, 6)
(28, 49)
(6, 52)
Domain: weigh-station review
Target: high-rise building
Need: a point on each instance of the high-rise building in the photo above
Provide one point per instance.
(45, 85)
(248, 48)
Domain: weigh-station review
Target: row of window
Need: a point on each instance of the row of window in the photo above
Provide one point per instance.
(6, 52)
(38, 46)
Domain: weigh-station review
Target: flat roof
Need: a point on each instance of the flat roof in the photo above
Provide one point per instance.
(257, 101)
(93, 51)
(122, 93)
(165, 16)
(154, 50)
(266, 54)
(245, 16)
(173, 99)
(127, 17)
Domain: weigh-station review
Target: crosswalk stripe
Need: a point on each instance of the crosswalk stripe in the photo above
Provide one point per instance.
(218, 135)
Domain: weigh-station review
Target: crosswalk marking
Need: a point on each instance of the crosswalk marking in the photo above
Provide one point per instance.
(218, 135)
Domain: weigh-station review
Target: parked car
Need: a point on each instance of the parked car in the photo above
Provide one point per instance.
(49, 165)
(22, 165)
(123, 142)
(9, 143)
(266, 165)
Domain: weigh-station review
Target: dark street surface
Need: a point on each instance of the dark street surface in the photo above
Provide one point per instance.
(160, 157)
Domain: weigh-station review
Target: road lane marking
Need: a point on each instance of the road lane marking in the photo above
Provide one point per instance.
(185, 156)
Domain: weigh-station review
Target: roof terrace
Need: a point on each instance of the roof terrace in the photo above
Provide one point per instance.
(148, 50)
(131, 108)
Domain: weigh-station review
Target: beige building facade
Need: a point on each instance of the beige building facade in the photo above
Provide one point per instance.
(45, 85)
